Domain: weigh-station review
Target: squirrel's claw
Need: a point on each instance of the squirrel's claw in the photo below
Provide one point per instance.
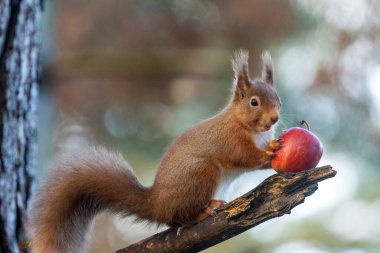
(179, 230)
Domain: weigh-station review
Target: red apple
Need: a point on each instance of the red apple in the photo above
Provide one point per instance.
(301, 150)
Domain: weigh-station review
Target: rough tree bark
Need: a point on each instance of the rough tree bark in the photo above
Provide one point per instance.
(19, 75)
(274, 197)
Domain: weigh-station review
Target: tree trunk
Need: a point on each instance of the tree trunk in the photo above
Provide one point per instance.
(19, 75)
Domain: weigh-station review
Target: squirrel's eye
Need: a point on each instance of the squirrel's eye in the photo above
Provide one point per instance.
(254, 102)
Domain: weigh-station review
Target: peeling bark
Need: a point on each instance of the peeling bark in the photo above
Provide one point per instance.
(274, 197)
(19, 76)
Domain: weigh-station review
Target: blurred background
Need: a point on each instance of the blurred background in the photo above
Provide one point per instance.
(132, 75)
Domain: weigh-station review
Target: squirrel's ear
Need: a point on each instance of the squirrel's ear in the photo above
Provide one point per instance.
(240, 67)
(267, 72)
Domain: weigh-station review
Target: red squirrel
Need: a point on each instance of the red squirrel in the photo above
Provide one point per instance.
(238, 138)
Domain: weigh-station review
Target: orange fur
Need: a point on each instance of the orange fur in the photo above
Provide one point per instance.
(190, 172)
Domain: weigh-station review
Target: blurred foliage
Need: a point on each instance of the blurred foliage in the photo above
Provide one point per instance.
(132, 75)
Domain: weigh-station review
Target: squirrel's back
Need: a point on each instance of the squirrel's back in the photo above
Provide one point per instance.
(75, 191)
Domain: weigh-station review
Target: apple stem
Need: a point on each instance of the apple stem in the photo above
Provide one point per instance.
(303, 122)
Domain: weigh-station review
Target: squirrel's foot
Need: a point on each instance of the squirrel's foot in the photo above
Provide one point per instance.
(215, 204)
(210, 210)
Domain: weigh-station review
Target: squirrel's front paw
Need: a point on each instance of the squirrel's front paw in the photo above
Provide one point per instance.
(272, 146)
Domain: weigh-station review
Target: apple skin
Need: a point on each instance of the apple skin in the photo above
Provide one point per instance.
(301, 150)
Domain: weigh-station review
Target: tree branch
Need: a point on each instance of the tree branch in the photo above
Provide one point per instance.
(274, 197)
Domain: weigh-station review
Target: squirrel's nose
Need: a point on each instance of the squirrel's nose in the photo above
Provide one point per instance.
(274, 119)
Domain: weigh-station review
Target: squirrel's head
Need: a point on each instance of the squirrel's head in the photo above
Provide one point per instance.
(255, 103)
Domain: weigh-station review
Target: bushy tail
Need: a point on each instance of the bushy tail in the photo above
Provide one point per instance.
(80, 186)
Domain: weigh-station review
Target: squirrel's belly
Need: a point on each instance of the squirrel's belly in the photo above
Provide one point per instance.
(227, 176)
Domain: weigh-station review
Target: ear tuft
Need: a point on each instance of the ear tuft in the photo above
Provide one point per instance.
(267, 72)
(240, 67)
(240, 63)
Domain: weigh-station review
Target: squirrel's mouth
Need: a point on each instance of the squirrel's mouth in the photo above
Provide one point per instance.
(267, 126)
(264, 128)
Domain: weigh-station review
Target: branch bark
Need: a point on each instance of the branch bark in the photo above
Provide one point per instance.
(274, 197)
